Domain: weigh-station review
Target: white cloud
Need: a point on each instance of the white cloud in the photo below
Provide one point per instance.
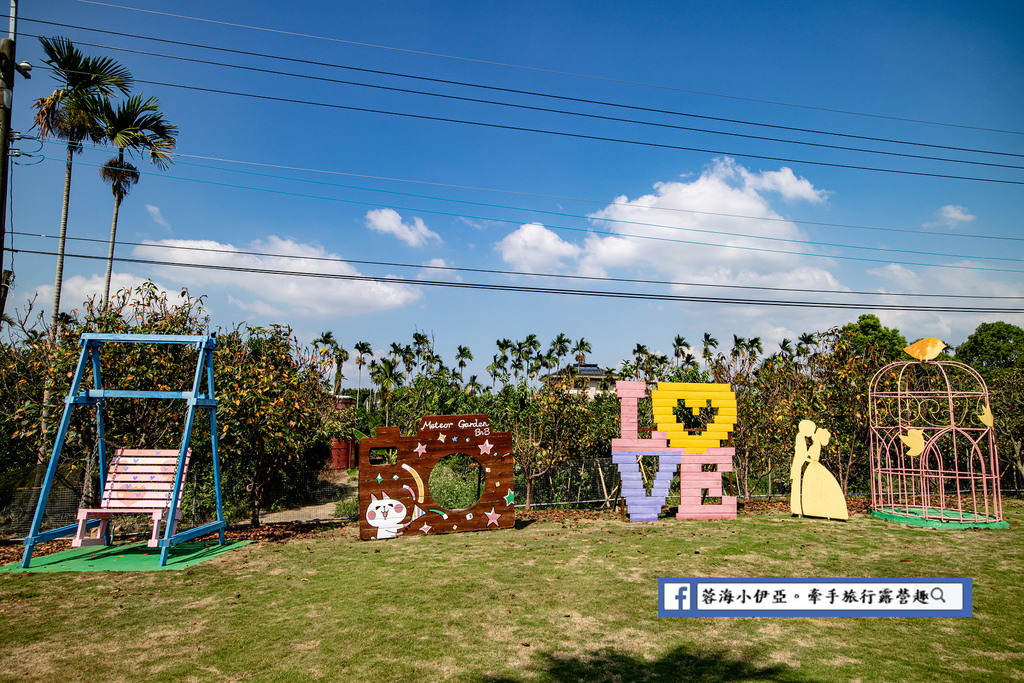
(158, 218)
(715, 228)
(953, 328)
(709, 230)
(438, 269)
(904, 279)
(256, 306)
(388, 221)
(785, 182)
(535, 249)
(950, 216)
(290, 295)
(76, 290)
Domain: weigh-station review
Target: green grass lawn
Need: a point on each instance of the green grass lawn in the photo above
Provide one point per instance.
(558, 599)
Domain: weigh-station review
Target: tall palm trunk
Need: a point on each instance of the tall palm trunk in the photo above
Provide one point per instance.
(110, 251)
(59, 278)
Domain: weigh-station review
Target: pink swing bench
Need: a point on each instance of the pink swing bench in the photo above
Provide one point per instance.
(138, 482)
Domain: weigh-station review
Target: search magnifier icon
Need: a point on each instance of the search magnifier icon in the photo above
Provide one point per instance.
(938, 595)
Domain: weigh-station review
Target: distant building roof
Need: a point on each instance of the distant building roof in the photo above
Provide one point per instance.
(584, 371)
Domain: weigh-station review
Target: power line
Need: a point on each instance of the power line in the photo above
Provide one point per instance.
(558, 111)
(580, 136)
(598, 201)
(616, 234)
(551, 71)
(549, 290)
(598, 138)
(488, 271)
(565, 214)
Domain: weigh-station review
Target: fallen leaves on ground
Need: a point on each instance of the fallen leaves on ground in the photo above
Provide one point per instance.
(11, 551)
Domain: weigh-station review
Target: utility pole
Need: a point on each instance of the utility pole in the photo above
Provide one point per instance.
(7, 67)
(6, 87)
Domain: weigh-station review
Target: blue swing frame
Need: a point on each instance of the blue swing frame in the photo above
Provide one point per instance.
(91, 345)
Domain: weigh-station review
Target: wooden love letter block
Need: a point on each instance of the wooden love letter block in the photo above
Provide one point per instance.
(625, 451)
(701, 446)
(395, 497)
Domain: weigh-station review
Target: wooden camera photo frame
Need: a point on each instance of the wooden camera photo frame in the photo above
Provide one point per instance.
(395, 497)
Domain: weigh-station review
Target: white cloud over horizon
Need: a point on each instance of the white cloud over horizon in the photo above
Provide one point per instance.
(279, 294)
(389, 222)
(708, 230)
(76, 290)
(535, 249)
(689, 231)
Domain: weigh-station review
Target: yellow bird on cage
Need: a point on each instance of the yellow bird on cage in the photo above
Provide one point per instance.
(986, 417)
(925, 349)
(914, 441)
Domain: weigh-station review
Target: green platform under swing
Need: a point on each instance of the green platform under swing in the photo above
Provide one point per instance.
(198, 397)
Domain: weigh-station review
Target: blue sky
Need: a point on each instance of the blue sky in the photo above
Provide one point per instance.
(298, 180)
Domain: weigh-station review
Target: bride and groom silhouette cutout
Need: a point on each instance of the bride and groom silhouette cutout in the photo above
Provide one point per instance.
(815, 492)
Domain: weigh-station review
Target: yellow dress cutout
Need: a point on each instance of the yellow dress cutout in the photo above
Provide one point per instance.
(806, 431)
(820, 494)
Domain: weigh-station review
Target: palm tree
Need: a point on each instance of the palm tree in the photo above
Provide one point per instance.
(363, 349)
(473, 387)
(340, 356)
(421, 345)
(463, 354)
(516, 365)
(396, 351)
(493, 369)
(408, 359)
(642, 360)
(134, 126)
(504, 346)
(560, 347)
(580, 350)
(63, 115)
(803, 346)
(388, 377)
(709, 344)
(739, 344)
(679, 346)
(325, 344)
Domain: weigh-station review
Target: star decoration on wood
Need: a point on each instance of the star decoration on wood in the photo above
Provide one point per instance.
(421, 449)
(441, 437)
(379, 479)
(426, 528)
(510, 497)
(485, 447)
(492, 517)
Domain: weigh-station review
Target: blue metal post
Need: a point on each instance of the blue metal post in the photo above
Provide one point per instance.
(213, 438)
(186, 437)
(51, 470)
(101, 433)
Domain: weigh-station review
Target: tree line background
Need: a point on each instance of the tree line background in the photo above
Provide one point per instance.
(276, 413)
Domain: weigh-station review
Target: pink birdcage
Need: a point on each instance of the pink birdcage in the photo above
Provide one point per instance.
(933, 451)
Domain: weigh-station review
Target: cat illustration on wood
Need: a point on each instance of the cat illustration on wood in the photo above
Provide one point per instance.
(386, 515)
